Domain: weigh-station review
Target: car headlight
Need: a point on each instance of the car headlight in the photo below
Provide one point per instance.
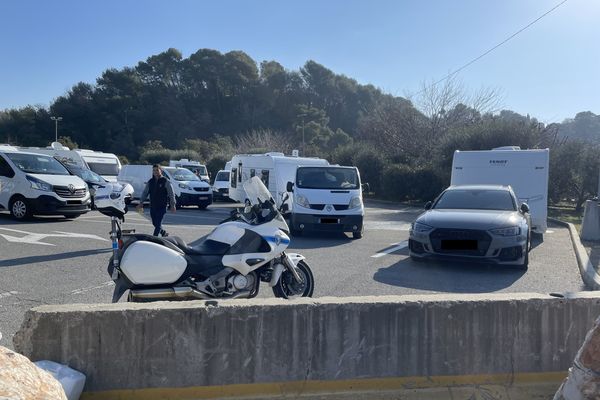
(184, 186)
(509, 231)
(302, 201)
(39, 184)
(421, 228)
(355, 202)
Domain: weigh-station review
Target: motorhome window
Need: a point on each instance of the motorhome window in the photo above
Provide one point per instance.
(104, 168)
(37, 164)
(264, 177)
(476, 199)
(240, 173)
(222, 176)
(5, 169)
(327, 178)
(183, 174)
(234, 177)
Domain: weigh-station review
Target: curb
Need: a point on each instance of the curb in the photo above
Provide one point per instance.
(586, 269)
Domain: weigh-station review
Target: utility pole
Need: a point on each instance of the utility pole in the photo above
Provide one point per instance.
(56, 119)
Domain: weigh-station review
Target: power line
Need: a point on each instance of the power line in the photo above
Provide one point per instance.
(495, 47)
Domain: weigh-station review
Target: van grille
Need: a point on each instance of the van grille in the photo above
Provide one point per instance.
(65, 192)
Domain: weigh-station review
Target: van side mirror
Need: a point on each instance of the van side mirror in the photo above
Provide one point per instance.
(366, 188)
(524, 208)
(428, 205)
(290, 187)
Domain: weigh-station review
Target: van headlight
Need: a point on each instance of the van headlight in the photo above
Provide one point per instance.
(509, 231)
(302, 201)
(39, 184)
(356, 202)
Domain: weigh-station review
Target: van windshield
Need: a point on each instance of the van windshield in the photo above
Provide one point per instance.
(111, 169)
(200, 168)
(223, 176)
(37, 164)
(327, 178)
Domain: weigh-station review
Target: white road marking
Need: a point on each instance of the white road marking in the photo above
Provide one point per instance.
(8, 294)
(549, 231)
(35, 238)
(398, 246)
(83, 290)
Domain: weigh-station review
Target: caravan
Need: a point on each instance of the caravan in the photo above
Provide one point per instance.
(274, 169)
(106, 165)
(526, 171)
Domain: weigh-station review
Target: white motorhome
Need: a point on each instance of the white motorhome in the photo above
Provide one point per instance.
(189, 190)
(33, 183)
(327, 198)
(192, 166)
(106, 165)
(274, 169)
(526, 171)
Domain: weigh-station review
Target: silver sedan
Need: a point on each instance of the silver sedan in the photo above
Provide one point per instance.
(482, 223)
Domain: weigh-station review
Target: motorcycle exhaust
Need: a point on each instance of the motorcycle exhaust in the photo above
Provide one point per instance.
(179, 293)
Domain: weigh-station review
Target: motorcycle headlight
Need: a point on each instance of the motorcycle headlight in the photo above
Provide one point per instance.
(509, 231)
(421, 228)
(356, 202)
(38, 184)
(184, 186)
(302, 201)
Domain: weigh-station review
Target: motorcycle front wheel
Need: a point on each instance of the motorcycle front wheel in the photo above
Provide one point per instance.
(288, 287)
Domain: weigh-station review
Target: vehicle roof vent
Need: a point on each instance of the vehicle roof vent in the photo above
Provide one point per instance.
(275, 154)
(507, 148)
(58, 146)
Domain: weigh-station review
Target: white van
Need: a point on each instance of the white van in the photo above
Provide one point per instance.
(274, 169)
(192, 166)
(220, 187)
(106, 165)
(188, 188)
(526, 171)
(38, 184)
(327, 198)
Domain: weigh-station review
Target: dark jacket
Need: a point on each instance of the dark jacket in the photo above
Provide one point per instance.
(160, 191)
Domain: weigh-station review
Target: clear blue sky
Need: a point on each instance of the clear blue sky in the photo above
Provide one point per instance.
(551, 70)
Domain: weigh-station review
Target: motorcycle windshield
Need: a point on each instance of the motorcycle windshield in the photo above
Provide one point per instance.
(256, 191)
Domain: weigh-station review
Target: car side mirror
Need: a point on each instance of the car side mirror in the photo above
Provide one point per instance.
(428, 205)
(366, 188)
(524, 208)
(290, 187)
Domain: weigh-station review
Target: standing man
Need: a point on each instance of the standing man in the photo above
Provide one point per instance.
(161, 193)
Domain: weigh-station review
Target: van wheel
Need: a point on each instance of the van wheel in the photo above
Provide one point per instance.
(20, 209)
(202, 206)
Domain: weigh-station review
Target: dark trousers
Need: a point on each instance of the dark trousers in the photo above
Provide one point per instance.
(157, 214)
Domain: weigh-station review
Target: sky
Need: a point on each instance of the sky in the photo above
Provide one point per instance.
(549, 71)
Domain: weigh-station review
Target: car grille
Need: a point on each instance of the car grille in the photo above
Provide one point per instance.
(201, 189)
(224, 190)
(482, 237)
(66, 193)
(337, 207)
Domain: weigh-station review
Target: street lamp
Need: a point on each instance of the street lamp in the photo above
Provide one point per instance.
(56, 119)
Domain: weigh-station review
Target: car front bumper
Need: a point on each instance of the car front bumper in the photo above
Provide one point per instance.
(50, 205)
(328, 223)
(200, 199)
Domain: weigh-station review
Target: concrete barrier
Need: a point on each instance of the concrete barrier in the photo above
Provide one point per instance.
(507, 346)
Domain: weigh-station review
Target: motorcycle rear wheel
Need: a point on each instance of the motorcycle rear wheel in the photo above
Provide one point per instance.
(288, 288)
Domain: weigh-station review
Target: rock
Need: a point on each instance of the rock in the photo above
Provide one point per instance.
(21, 379)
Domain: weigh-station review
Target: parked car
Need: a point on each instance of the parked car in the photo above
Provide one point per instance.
(220, 186)
(94, 180)
(38, 184)
(476, 223)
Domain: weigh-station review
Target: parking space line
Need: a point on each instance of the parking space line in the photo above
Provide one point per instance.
(102, 285)
(398, 246)
(8, 294)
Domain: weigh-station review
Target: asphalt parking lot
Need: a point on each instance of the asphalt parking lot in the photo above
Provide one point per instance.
(51, 260)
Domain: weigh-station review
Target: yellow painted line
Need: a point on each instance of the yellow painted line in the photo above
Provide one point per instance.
(317, 387)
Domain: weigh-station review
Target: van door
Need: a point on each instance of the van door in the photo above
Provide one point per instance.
(7, 185)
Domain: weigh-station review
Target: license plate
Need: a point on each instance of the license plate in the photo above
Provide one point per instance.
(330, 220)
(203, 197)
(459, 244)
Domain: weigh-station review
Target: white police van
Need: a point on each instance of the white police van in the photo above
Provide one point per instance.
(38, 184)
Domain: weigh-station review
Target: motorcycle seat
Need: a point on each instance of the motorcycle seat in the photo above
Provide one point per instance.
(205, 247)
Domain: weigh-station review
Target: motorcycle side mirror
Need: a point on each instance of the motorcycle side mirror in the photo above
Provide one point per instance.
(247, 209)
(524, 208)
(428, 205)
(290, 187)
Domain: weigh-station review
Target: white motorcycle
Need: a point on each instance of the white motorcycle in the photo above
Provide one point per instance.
(242, 251)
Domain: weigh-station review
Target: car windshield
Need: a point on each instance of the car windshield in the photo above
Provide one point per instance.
(222, 176)
(182, 174)
(37, 164)
(327, 178)
(85, 174)
(111, 169)
(476, 199)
